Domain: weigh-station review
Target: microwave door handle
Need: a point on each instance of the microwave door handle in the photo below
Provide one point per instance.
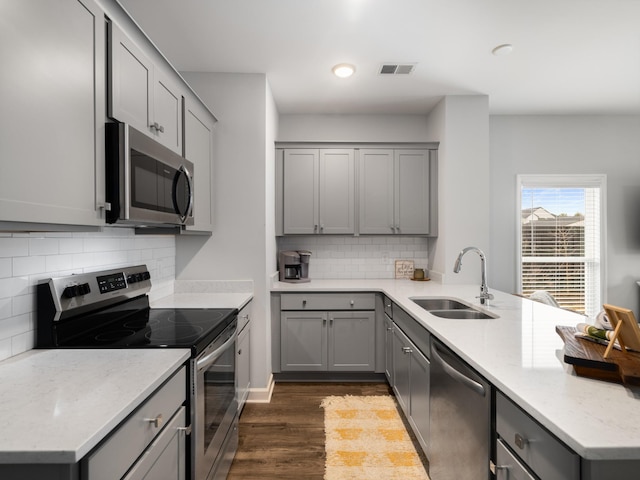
(190, 183)
(125, 174)
(184, 215)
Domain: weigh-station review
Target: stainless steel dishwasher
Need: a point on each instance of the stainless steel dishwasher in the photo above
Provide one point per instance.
(460, 418)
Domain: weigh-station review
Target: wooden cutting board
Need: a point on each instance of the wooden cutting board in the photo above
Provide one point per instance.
(588, 360)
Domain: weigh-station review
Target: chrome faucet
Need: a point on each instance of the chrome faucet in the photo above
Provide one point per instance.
(484, 289)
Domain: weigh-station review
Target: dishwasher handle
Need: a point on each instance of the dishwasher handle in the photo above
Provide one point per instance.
(457, 375)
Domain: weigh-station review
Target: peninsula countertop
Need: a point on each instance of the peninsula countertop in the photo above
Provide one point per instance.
(521, 355)
(56, 405)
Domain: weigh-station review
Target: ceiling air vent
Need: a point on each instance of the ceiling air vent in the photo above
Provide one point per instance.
(397, 68)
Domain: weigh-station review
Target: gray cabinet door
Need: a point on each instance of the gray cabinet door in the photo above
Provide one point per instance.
(419, 403)
(376, 196)
(388, 350)
(411, 205)
(167, 110)
(243, 373)
(198, 148)
(131, 81)
(52, 122)
(300, 191)
(144, 95)
(303, 341)
(165, 458)
(352, 341)
(336, 189)
(402, 370)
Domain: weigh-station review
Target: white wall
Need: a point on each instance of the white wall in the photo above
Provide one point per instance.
(570, 144)
(353, 128)
(28, 259)
(461, 125)
(243, 171)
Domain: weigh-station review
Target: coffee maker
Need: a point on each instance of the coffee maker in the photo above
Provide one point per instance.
(294, 266)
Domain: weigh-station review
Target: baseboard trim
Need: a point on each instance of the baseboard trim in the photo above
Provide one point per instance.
(262, 395)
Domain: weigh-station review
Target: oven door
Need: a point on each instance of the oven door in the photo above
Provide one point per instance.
(216, 404)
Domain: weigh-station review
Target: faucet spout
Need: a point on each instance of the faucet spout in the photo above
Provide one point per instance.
(485, 296)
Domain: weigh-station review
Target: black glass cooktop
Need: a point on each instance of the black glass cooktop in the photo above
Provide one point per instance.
(128, 326)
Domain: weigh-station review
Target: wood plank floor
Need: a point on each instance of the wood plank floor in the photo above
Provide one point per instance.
(284, 439)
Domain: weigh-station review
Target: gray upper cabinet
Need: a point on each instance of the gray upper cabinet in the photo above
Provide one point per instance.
(396, 192)
(142, 94)
(51, 130)
(318, 191)
(369, 191)
(198, 148)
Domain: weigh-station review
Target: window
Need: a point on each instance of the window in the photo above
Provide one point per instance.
(561, 238)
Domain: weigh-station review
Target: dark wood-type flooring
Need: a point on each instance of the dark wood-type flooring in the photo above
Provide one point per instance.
(284, 439)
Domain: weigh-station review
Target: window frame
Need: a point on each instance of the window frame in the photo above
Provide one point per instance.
(564, 181)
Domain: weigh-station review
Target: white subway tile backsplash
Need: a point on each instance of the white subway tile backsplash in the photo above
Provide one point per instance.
(29, 259)
(43, 246)
(357, 257)
(14, 247)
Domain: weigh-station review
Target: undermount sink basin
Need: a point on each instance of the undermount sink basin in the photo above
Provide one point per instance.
(440, 304)
(450, 308)
(468, 314)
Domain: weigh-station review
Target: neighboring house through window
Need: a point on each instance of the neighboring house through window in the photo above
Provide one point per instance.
(561, 238)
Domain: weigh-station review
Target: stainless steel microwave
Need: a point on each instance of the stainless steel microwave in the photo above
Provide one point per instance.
(147, 184)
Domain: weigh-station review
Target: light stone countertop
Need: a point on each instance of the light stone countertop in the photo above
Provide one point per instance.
(203, 300)
(56, 405)
(521, 355)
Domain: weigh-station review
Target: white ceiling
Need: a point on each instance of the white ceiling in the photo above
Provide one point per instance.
(569, 56)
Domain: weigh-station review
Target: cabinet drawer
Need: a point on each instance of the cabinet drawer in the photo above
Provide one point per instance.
(544, 454)
(508, 467)
(116, 455)
(328, 301)
(387, 306)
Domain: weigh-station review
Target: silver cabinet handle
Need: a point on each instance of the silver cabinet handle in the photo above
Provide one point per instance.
(520, 441)
(246, 317)
(157, 127)
(304, 303)
(406, 350)
(185, 430)
(315, 228)
(157, 422)
(389, 329)
(352, 303)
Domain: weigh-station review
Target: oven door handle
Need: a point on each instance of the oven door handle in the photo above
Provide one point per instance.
(206, 361)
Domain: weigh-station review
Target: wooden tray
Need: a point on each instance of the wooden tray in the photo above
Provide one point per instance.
(588, 360)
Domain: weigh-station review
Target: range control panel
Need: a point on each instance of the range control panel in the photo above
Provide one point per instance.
(84, 290)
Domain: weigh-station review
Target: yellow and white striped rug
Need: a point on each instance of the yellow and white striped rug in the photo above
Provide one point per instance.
(366, 439)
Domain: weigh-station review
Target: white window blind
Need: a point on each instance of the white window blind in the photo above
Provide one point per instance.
(560, 239)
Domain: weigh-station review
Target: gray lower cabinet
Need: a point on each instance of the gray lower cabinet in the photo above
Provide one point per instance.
(150, 444)
(243, 366)
(327, 341)
(388, 350)
(539, 451)
(411, 384)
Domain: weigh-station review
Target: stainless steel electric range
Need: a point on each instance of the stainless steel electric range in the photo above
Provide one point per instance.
(110, 309)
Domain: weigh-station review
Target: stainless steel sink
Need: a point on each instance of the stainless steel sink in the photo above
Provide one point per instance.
(450, 308)
(468, 314)
(440, 303)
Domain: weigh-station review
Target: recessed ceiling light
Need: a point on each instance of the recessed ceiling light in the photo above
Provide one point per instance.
(504, 49)
(343, 70)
